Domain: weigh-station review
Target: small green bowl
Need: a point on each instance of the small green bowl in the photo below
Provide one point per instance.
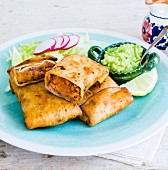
(96, 53)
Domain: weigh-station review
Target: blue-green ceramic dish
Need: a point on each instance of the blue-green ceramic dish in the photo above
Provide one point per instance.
(142, 119)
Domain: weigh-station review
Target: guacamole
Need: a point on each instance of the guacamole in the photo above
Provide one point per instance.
(123, 59)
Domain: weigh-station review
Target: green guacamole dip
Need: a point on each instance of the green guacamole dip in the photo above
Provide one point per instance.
(123, 59)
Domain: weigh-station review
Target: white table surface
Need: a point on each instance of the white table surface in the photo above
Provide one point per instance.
(18, 17)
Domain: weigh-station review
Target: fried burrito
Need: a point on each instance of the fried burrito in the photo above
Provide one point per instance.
(104, 104)
(108, 82)
(73, 76)
(31, 70)
(41, 108)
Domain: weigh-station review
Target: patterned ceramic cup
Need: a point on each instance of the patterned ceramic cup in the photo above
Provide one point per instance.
(154, 22)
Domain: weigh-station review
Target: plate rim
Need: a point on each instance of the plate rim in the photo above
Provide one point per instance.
(87, 151)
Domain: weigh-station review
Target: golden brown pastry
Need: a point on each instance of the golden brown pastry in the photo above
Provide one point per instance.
(31, 70)
(108, 82)
(41, 108)
(104, 104)
(73, 76)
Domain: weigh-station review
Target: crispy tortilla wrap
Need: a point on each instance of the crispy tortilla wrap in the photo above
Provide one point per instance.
(104, 104)
(41, 108)
(108, 82)
(73, 76)
(32, 70)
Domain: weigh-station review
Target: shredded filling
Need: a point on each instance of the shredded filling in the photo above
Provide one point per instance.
(33, 72)
(64, 88)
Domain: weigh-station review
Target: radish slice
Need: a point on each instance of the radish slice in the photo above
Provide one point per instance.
(74, 39)
(61, 42)
(45, 46)
(66, 41)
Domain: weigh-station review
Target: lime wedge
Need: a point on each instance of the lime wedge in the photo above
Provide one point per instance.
(143, 84)
(16, 58)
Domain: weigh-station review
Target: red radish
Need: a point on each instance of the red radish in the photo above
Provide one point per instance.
(45, 46)
(61, 42)
(66, 41)
(58, 43)
(74, 39)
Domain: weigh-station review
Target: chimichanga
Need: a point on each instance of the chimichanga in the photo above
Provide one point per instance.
(104, 104)
(41, 108)
(73, 76)
(108, 82)
(31, 70)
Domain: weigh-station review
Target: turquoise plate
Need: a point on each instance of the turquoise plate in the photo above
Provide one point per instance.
(139, 121)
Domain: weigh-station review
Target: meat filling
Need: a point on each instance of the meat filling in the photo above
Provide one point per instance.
(63, 87)
(33, 72)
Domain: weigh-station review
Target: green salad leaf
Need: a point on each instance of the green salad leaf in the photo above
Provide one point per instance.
(27, 50)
